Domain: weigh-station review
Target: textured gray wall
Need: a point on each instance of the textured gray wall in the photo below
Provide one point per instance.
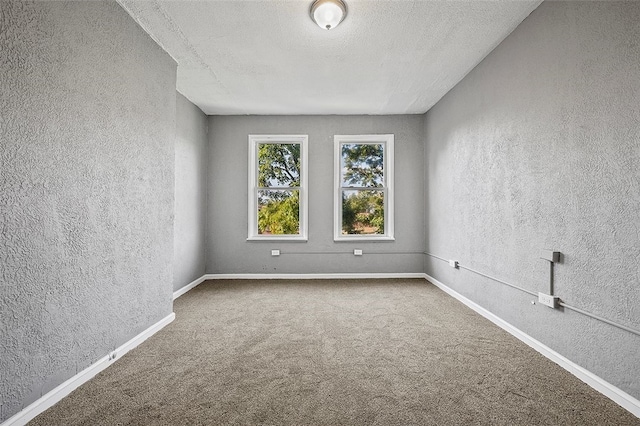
(190, 193)
(539, 147)
(86, 190)
(227, 248)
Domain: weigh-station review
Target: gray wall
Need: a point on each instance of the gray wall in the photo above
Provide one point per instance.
(190, 193)
(86, 190)
(227, 248)
(539, 147)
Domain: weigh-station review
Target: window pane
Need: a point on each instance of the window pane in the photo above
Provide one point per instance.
(362, 212)
(278, 212)
(278, 165)
(362, 165)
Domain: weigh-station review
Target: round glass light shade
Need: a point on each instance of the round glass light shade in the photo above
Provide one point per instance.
(328, 13)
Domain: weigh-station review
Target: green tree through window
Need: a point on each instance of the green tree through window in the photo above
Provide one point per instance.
(278, 209)
(277, 182)
(364, 193)
(362, 210)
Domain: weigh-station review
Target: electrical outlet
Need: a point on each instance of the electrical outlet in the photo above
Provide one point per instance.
(454, 264)
(357, 252)
(275, 252)
(548, 300)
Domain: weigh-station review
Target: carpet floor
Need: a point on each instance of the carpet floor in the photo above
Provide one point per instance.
(325, 352)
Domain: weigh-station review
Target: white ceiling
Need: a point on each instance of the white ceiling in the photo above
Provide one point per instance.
(269, 57)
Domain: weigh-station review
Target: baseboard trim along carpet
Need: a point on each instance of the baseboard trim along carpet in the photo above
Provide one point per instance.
(617, 395)
(64, 389)
(188, 287)
(345, 276)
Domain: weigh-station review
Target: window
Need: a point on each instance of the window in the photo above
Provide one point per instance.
(363, 205)
(278, 187)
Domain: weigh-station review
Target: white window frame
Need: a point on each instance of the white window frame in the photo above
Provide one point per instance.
(387, 141)
(254, 141)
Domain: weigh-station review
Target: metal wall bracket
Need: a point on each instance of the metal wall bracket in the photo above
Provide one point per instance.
(552, 257)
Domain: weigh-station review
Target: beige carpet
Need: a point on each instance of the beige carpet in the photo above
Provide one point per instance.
(321, 352)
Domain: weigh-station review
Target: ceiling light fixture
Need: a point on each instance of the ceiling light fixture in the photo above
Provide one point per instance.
(328, 13)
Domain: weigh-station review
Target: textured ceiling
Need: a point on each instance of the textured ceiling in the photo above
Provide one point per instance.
(268, 57)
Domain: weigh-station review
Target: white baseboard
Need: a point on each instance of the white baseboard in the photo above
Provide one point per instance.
(331, 276)
(189, 286)
(607, 389)
(206, 277)
(64, 389)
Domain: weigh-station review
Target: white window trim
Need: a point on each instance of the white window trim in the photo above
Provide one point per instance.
(387, 140)
(254, 140)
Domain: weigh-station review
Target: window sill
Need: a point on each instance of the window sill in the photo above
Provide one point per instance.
(298, 238)
(342, 239)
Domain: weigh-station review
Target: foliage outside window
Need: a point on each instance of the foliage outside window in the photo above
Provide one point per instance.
(278, 187)
(363, 187)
